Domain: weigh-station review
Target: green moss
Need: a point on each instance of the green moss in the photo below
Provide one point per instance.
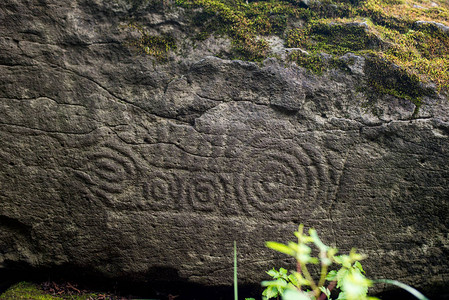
(317, 63)
(314, 63)
(385, 29)
(26, 290)
(385, 78)
(334, 38)
(333, 9)
(376, 14)
(246, 23)
(157, 46)
(207, 22)
(422, 51)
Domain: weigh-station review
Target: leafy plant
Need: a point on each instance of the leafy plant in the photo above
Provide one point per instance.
(300, 285)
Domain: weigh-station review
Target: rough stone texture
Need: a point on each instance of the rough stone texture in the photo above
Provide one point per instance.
(442, 27)
(113, 163)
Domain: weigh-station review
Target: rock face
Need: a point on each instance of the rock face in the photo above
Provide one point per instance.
(111, 162)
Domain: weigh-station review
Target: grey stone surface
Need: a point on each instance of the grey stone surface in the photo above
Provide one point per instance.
(114, 163)
(442, 27)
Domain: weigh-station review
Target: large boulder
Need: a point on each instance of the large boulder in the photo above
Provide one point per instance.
(112, 162)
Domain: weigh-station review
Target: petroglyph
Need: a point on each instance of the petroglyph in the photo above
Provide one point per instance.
(205, 192)
(109, 170)
(287, 177)
(161, 191)
(207, 173)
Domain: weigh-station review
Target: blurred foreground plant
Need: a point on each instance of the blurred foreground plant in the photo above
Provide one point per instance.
(300, 285)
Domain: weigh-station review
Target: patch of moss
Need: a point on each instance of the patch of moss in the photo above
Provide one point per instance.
(318, 63)
(314, 63)
(27, 290)
(335, 38)
(207, 22)
(383, 77)
(158, 46)
(423, 52)
(333, 9)
(375, 11)
(246, 23)
(386, 29)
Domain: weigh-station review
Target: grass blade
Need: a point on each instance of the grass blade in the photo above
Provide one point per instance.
(409, 289)
(235, 272)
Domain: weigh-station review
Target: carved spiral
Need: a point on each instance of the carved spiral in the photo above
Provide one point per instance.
(283, 180)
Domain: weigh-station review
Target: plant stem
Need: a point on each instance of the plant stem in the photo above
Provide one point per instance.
(235, 272)
(309, 278)
(323, 275)
(298, 270)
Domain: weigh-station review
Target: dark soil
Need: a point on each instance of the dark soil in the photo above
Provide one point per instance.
(75, 281)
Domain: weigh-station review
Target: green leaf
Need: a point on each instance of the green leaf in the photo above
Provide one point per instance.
(281, 283)
(283, 274)
(317, 241)
(281, 248)
(291, 286)
(293, 279)
(303, 254)
(314, 260)
(273, 273)
(294, 295)
(355, 285)
(341, 296)
(304, 249)
(332, 275)
(278, 283)
(300, 231)
(354, 256)
(307, 259)
(331, 252)
(347, 260)
(267, 283)
(358, 265)
(325, 291)
(343, 260)
(270, 292)
(341, 274)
